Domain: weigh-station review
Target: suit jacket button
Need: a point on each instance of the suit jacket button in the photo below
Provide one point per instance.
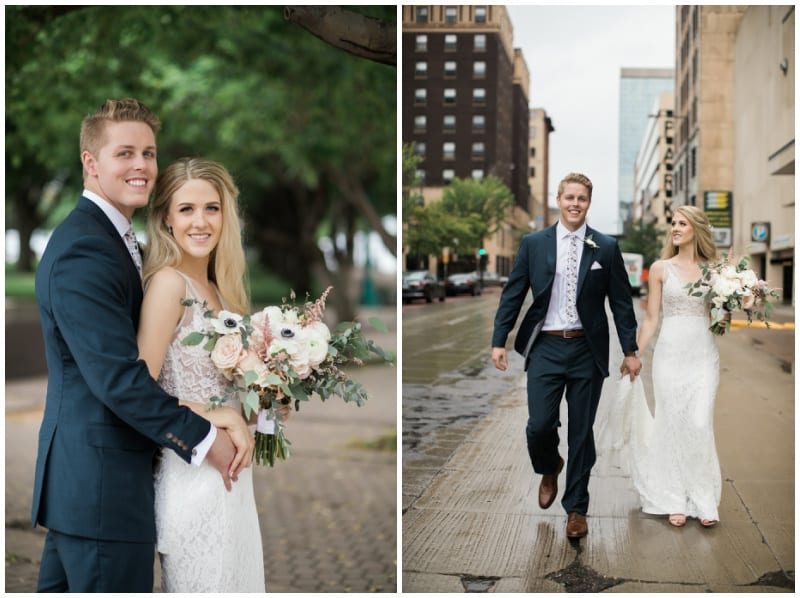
(170, 436)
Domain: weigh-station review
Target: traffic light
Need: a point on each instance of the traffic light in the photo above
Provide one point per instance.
(481, 252)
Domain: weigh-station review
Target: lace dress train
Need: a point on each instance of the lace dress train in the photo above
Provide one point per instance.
(208, 539)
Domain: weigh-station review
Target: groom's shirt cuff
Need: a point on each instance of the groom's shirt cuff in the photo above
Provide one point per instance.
(201, 450)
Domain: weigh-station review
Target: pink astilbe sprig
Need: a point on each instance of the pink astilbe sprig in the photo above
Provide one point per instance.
(266, 331)
(315, 310)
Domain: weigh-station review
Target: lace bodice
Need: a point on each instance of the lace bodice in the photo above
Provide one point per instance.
(199, 379)
(675, 298)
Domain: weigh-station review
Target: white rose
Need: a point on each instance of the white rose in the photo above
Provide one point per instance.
(748, 278)
(316, 336)
(227, 352)
(297, 352)
(725, 287)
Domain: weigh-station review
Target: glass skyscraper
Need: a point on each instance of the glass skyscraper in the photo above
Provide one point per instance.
(638, 91)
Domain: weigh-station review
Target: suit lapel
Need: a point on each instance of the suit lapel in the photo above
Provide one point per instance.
(587, 258)
(551, 252)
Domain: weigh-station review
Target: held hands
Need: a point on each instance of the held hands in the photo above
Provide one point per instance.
(631, 366)
(220, 457)
(499, 358)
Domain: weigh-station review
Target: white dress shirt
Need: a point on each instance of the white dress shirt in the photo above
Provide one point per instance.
(122, 224)
(556, 318)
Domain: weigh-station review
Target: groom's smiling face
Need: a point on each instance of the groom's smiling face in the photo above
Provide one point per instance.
(574, 202)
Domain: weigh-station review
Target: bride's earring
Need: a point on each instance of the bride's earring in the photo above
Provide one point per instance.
(169, 229)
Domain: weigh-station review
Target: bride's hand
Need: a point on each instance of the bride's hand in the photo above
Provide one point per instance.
(243, 440)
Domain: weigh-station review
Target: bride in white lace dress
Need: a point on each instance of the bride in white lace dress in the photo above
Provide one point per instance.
(208, 539)
(674, 462)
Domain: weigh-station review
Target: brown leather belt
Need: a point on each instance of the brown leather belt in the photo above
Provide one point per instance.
(565, 333)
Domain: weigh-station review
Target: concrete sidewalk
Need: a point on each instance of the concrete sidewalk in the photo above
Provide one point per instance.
(472, 522)
(328, 515)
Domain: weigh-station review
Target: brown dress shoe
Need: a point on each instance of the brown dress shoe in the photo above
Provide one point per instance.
(548, 487)
(576, 525)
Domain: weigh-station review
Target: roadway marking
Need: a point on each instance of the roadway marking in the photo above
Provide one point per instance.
(759, 324)
(456, 320)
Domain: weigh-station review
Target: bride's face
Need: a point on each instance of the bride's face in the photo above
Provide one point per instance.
(195, 215)
(682, 230)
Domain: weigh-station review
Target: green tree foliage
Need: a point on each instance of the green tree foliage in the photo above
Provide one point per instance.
(646, 239)
(482, 204)
(307, 130)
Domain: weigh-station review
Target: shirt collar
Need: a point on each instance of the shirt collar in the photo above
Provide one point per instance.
(120, 222)
(562, 231)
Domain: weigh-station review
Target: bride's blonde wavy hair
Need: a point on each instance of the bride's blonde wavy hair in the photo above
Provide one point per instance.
(226, 265)
(704, 247)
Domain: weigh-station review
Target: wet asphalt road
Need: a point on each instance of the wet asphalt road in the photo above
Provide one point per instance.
(448, 377)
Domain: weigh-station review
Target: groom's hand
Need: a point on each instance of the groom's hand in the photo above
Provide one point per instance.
(220, 457)
(499, 358)
(631, 366)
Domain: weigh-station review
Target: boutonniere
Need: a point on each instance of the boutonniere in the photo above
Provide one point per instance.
(590, 242)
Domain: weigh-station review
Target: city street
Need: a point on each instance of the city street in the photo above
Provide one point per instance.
(470, 517)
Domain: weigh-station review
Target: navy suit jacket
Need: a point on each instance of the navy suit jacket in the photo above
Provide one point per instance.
(105, 416)
(535, 269)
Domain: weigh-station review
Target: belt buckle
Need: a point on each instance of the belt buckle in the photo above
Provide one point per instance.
(565, 334)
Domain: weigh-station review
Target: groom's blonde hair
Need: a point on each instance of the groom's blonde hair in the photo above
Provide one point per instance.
(575, 177)
(93, 127)
(226, 266)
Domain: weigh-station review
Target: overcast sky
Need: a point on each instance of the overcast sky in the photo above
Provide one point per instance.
(574, 55)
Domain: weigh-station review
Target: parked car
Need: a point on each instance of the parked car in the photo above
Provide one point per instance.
(421, 284)
(463, 284)
(491, 279)
(634, 263)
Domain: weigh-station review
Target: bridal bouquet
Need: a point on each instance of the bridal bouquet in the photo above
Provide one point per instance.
(728, 287)
(282, 355)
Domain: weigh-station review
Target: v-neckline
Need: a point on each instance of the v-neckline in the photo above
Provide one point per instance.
(676, 272)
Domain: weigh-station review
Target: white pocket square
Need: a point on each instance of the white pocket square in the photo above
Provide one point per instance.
(596, 266)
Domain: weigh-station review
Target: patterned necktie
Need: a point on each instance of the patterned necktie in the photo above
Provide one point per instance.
(133, 249)
(572, 279)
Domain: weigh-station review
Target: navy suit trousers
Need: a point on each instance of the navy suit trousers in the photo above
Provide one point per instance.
(87, 565)
(558, 365)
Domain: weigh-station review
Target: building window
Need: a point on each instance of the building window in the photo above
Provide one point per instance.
(450, 14)
(480, 14)
(420, 96)
(450, 68)
(420, 176)
(479, 42)
(478, 122)
(533, 152)
(419, 148)
(422, 14)
(449, 123)
(479, 69)
(479, 96)
(449, 150)
(694, 162)
(477, 174)
(421, 69)
(478, 149)
(532, 132)
(450, 42)
(421, 43)
(450, 95)
(448, 174)
(420, 122)
(532, 172)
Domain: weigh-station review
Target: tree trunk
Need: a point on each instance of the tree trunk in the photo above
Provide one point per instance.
(354, 33)
(27, 220)
(352, 190)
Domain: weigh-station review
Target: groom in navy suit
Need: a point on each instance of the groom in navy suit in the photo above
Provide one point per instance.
(570, 269)
(105, 416)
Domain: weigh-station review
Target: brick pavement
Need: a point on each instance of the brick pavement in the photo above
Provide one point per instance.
(328, 516)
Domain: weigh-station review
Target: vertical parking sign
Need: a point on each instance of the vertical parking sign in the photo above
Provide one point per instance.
(718, 206)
